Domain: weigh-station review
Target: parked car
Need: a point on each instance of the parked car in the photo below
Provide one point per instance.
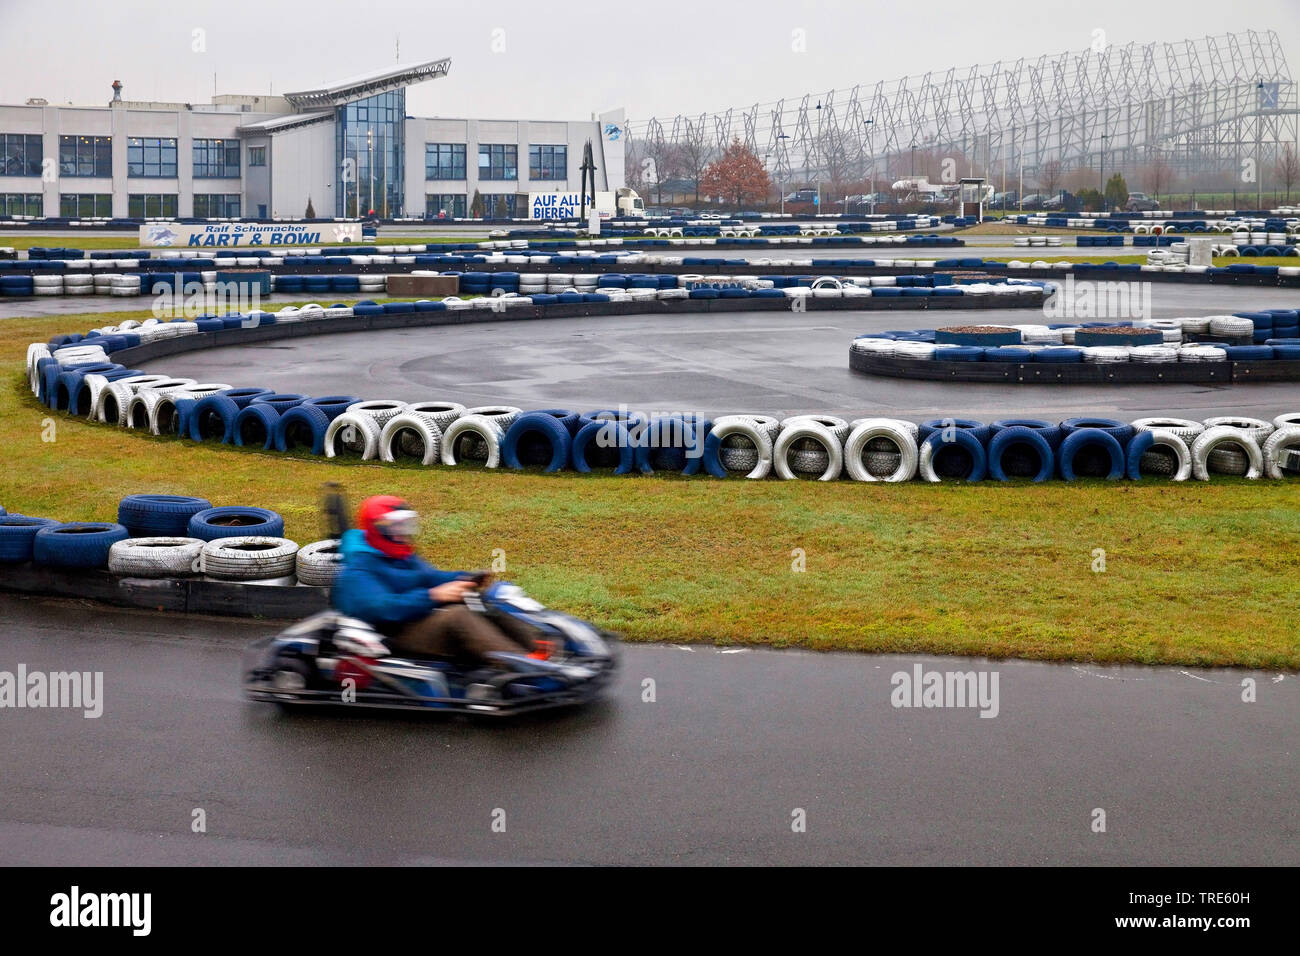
(1140, 202)
(1032, 201)
(1005, 200)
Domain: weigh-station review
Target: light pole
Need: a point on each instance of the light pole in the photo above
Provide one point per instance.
(872, 180)
(1259, 166)
(783, 154)
(1104, 137)
(821, 151)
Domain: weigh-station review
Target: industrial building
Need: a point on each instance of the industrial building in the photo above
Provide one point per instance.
(343, 150)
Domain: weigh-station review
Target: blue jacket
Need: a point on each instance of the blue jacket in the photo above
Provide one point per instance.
(384, 592)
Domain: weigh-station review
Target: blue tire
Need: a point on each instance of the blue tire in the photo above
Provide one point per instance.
(963, 458)
(1121, 431)
(243, 396)
(281, 402)
(571, 420)
(161, 516)
(17, 532)
(978, 429)
(667, 443)
(233, 522)
(78, 544)
(537, 438)
(213, 417)
(302, 425)
(1049, 430)
(255, 425)
(588, 453)
(1102, 451)
(1023, 449)
(333, 405)
(1138, 446)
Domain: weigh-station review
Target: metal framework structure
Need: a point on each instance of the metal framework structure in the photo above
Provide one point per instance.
(1198, 106)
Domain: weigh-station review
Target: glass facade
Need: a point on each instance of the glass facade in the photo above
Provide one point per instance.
(151, 158)
(369, 139)
(21, 154)
(257, 155)
(151, 205)
(444, 205)
(444, 160)
(85, 205)
(21, 204)
(216, 159)
(548, 162)
(216, 205)
(86, 156)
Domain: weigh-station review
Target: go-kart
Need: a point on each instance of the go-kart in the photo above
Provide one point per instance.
(330, 658)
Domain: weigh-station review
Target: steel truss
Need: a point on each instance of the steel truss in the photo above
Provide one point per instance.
(1199, 106)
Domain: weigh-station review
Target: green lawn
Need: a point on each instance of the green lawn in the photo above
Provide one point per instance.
(1196, 573)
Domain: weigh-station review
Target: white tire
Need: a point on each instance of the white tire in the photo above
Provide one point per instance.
(867, 429)
(379, 410)
(1285, 438)
(318, 563)
(1184, 428)
(411, 435)
(1256, 428)
(1174, 443)
(1220, 435)
(756, 433)
(155, 557)
(503, 415)
(1282, 421)
(353, 431)
(473, 428)
(250, 558)
(441, 414)
(813, 432)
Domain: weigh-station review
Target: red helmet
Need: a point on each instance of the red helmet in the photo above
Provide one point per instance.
(390, 525)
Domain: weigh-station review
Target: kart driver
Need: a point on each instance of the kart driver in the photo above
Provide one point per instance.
(419, 609)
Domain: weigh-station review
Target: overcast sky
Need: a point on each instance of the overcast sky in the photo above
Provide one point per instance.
(565, 59)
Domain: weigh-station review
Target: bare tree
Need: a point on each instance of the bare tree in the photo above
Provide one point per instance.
(1288, 169)
(693, 151)
(1158, 177)
(1050, 174)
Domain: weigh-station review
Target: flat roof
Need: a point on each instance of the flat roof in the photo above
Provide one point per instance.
(369, 84)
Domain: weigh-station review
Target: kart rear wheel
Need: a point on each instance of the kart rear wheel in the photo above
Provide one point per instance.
(291, 677)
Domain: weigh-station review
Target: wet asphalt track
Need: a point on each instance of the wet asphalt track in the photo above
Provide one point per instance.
(708, 774)
(777, 363)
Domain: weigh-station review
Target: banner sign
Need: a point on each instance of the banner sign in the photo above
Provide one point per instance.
(232, 235)
(556, 205)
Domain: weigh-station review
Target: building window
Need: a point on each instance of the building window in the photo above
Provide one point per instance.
(216, 159)
(21, 154)
(151, 158)
(86, 156)
(548, 162)
(216, 205)
(498, 161)
(444, 206)
(499, 205)
(257, 155)
(21, 204)
(86, 205)
(444, 160)
(151, 206)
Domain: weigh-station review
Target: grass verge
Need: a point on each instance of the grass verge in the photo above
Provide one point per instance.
(1199, 574)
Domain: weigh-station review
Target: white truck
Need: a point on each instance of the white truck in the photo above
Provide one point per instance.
(623, 202)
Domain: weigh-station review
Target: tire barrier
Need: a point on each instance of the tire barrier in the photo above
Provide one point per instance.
(880, 449)
(952, 454)
(17, 536)
(1230, 437)
(234, 521)
(539, 438)
(146, 516)
(1019, 451)
(162, 557)
(77, 544)
(1091, 453)
(249, 558)
(733, 445)
(1158, 451)
(318, 563)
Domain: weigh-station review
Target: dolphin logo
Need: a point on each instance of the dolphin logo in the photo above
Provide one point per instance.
(161, 236)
